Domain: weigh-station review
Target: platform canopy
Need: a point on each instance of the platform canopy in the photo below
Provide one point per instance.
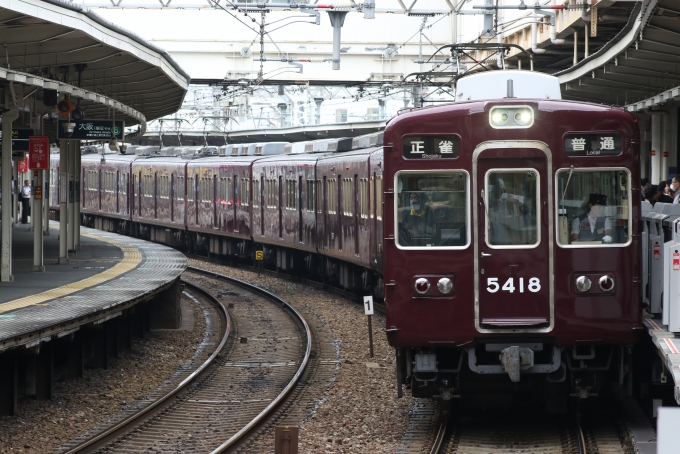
(53, 44)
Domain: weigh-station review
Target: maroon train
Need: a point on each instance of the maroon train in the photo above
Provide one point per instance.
(508, 229)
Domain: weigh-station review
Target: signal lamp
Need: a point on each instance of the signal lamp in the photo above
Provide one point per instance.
(606, 283)
(583, 284)
(422, 285)
(445, 285)
(65, 107)
(78, 114)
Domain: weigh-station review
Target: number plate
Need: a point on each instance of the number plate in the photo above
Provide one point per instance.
(512, 285)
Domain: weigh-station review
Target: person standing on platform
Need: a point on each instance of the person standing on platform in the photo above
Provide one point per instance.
(675, 186)
(26, 191)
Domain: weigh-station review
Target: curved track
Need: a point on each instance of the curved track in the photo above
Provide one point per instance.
(249, 373)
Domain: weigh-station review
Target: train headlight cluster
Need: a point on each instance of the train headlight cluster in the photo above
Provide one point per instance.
(511, 117)
(445, 285)
(606, 283)
(422, 285)
(583, 283)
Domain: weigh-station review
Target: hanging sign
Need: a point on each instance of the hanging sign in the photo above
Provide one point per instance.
(19, 141)
(676, 261)
(23, 165)
(38, 152)
(657, 251)
(90, 130)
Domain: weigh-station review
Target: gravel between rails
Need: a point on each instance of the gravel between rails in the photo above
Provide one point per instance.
(78, 405)
(360, 412)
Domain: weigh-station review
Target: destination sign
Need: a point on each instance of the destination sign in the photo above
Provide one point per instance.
(91, 130)
(592, 144)
(429, 147)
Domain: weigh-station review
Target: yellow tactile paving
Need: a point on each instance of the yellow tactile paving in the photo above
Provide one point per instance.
(131, 258)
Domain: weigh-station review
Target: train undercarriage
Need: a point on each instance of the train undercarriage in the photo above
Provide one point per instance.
(499, 373)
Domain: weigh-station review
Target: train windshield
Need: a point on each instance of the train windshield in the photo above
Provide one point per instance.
(512, 207)
(593, 207)
(431, 209)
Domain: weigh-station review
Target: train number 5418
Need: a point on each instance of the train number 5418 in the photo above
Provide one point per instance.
(533, 285)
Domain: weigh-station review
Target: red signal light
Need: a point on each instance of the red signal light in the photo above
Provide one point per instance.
(65, 107)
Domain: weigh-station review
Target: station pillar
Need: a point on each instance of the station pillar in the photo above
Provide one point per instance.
(63, 199)
(72, 150)
(656, 148)
(664, 148)
(37, 209)
(6, 248)
(78, 189)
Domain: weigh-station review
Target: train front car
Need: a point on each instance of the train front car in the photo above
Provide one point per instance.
(511, 248)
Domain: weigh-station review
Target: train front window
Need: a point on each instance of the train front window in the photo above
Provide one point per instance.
(511, 207)
(593, 207)
(431, 209)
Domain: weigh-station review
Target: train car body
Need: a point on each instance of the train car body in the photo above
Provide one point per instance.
(105, 186)
(502, 271)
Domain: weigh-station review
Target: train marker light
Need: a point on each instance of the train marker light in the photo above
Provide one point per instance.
(606, 283)
(511, 117)
(445, 285)
(583, 283)
(422, 285)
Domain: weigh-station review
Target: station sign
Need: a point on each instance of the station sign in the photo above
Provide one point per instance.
(607, 144)
(38, 152)
(91, 130)
(430, 147)
(19, 142)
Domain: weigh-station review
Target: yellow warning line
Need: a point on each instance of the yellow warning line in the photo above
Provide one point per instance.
(131, 258)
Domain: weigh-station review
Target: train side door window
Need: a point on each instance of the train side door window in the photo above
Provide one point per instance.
(511, 201)
(593, 207)
(431, 209)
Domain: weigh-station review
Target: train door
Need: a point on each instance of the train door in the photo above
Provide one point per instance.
(262, 201)
(139, 195)
(299, 205)
(324, 208)
(513, 219)
(172, 197)
(280, 207)
(236, 204)
(155, 195)
(117, 191)
(355, 210)
(338, 201)
(101, 188)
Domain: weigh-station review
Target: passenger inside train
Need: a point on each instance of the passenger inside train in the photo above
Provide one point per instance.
(432, 209)
(593, 207)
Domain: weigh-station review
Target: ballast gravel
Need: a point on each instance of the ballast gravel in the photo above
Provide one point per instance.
(78, 405)
(358, 413)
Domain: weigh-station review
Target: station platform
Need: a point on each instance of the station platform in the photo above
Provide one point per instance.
(668, 346)
(108, 274)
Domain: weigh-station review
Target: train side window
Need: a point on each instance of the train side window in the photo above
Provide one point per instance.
(191, 190)
(319, 196)
(245, 192)
(512, 207)
(256, 193)
(379, 198)
(593, 207)
(431, 209)
(332, 195)
(309, 203)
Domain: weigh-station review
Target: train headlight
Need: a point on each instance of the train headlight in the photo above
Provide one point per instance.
(606, 283)
(511, 117)
(583, 284)
(523, 117)
(445, 285)
(422, 285)
(499, 117)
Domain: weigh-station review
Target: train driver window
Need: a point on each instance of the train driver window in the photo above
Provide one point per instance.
(593, 207)
(431, 209)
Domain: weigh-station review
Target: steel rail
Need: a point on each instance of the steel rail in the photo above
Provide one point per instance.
(439, 439)
(124, 425)
(282, 395)
(581, 439)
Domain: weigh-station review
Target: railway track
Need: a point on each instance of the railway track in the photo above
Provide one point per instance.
(253, 366)
(599, 432)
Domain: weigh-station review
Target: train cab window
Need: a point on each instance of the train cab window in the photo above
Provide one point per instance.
(512, 208)
(593, 207)
(432, 210)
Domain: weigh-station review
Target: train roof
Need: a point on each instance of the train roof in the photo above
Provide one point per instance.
(508, 84)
